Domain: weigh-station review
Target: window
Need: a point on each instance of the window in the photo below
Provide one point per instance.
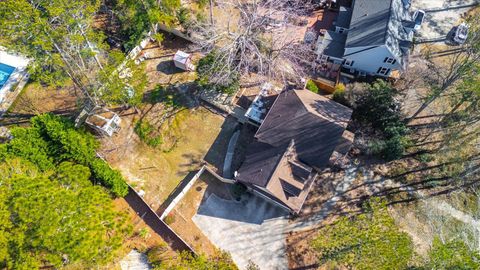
(339, 29)
(390, 60)
(383, 70)
(348, 63)
(323, 59)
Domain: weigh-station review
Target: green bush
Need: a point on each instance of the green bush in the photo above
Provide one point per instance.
(379, 108)
(209, 69)
(339, 94)
(157, 254)
(312, 86)
(202, 3)
(183, 16)
(169, 219)
(62, 142)
(109, 177)
(146, 133)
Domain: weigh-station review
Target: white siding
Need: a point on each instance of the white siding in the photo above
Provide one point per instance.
(370, 60)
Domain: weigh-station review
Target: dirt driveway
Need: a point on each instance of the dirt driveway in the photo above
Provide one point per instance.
(441, 16)
(251, 229)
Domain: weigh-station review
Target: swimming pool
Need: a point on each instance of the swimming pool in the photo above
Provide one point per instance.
(5, 72)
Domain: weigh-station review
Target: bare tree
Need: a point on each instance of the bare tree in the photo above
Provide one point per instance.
(264, 37)
(459, 66)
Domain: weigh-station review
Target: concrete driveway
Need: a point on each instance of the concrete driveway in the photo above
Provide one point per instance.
(251, 229)
(441, 16)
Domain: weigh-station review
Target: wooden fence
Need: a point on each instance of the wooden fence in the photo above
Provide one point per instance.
(151, 218)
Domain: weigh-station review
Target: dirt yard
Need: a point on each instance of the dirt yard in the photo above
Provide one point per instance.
(159, 64)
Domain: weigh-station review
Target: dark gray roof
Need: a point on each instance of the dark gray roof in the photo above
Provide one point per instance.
(333, 44)
(344, 17)
(315, 123)
(369, 23)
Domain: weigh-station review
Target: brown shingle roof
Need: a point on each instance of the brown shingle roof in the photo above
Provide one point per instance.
(300, 122)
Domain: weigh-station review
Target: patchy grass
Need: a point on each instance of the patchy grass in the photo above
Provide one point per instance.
(36, 99)
(156, 170)
(146, 133)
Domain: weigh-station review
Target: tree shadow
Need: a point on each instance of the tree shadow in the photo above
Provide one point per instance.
(218, 150)
(167, 67)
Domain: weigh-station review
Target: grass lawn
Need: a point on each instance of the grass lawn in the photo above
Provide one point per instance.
(158, 172)
(36, 99)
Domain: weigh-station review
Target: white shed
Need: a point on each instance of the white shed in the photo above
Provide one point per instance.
(183, 61)
(104, 121)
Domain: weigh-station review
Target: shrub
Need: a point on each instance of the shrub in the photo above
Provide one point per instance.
(109, 177)
(339, 94)
(67, 143)
(169, 219)
(157, 254)
(183, 16)
(146, 133)
(379, 108)
(209, 71)
(312, 86)
(202, 3)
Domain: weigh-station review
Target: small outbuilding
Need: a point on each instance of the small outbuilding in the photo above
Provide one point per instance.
(104, 121)
(183, 61)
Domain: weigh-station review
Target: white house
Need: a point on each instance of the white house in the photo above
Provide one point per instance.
(373, 37)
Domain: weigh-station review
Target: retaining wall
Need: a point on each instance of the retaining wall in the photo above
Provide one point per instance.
(189, 185)
(151, 218)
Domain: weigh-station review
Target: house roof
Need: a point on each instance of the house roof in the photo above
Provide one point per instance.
(300, 132)
(344, 17)
(181, 57)
(379, 22)
(368, 25)
(332, 44)
(100, 117)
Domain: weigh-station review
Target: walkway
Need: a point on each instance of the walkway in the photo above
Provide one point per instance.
(227, 164)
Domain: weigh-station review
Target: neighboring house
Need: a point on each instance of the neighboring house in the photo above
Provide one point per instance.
(373, 37)
(302, 133)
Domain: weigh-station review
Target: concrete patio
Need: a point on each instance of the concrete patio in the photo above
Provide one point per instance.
(250, 229)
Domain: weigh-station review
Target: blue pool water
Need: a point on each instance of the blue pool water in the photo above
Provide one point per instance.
(5, 72)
